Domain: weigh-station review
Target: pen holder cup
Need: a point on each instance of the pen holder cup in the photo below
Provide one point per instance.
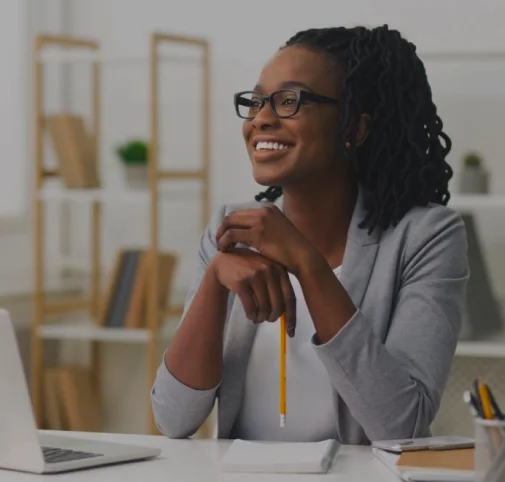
(489, 450)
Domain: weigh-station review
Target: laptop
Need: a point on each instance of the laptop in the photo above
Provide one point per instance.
(26, 449)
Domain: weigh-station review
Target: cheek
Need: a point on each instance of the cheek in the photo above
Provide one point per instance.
(246, 130)
(319, 142)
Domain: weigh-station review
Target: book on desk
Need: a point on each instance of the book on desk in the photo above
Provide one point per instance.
(451, 465)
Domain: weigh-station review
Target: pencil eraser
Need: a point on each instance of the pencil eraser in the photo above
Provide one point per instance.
(283, 420)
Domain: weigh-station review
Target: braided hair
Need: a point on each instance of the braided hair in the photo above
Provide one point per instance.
(402, 163)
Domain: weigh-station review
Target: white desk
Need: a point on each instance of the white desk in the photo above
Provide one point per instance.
(197, 461)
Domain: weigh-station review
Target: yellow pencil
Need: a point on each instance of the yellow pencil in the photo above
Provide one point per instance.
(282, 380)
(485, 400)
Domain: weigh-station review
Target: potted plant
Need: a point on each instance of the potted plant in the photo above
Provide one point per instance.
(473, 177)
(134, 154)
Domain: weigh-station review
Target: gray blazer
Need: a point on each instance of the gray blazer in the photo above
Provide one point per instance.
(388, 365)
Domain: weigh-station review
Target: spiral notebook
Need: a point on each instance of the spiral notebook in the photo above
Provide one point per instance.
(279, 457)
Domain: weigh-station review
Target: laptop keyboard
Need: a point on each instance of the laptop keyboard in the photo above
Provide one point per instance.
(55, 455)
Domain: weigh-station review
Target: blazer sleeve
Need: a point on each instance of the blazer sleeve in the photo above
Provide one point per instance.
(179, 410)
(393, 388)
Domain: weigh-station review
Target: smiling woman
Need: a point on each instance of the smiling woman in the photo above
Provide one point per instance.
(351, 241)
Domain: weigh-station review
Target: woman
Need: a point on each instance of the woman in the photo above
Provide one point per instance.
(351, 240)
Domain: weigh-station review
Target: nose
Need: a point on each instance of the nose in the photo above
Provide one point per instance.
(265, 119)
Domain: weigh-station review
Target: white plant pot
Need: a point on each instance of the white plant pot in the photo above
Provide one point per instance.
(473, 181)
(137, 176)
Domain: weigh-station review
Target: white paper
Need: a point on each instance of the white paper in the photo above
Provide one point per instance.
(279, 457)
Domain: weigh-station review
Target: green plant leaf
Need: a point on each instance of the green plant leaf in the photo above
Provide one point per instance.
(135, 151)
(472, 159)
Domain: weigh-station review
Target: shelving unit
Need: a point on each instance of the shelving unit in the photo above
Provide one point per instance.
(87, 329)
(470, 203)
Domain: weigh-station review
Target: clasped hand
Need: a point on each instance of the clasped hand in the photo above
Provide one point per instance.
(260, 277)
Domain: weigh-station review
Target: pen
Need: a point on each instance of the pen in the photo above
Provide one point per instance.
(469, 399)
(496, 409)
(478, 402)
(282, 380)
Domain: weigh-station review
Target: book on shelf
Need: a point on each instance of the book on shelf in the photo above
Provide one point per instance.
(72, 148)
(53, 412)
(70, 399)
(125, 302)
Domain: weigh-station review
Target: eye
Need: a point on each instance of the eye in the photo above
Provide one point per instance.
(249, 102)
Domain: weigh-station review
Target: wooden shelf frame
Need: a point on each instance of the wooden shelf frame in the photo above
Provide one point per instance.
(40, 307)
(155, 314)
(156, 175)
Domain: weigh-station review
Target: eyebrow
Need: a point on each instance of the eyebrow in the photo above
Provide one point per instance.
(289, 84)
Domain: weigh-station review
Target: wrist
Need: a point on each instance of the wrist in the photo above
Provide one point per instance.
(309, 264)
(211, 278)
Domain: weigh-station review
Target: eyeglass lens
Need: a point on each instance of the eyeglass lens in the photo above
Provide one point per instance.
(283, 102)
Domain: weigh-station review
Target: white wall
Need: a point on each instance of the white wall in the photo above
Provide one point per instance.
(13, 136)
(13, 40)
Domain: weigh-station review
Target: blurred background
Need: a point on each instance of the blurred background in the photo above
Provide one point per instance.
(99, 230)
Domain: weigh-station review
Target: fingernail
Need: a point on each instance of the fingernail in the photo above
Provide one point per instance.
(291, 331)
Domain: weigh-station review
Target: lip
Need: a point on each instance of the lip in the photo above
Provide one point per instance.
(265, 155)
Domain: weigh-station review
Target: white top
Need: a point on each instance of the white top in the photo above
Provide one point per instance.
(309, 400)
(199, 460)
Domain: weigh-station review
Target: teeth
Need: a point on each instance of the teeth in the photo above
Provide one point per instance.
(274, 146)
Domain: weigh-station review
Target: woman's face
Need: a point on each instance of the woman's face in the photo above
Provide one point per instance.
(307, 142)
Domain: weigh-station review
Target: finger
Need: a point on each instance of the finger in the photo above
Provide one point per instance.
(290, 303)
(232, 237)
(246, 296)
(275, 292)
(221, 230)
(259, 287)
(243, 219)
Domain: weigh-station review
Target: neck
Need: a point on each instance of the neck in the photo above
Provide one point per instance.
(322, 212)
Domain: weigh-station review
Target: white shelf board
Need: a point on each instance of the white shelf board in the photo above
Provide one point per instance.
(115, 196)
(482, 349)
(112, 195)
(60, 56)
(471, 202)
(87, 331)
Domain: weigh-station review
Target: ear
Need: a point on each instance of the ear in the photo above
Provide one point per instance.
(363, 128)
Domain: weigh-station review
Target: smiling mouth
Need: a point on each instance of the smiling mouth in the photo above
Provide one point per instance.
(272, 146)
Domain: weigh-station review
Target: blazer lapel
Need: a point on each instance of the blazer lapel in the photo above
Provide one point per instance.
(359, 255)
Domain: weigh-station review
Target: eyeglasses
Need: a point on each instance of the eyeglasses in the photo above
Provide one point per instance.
(284, 103)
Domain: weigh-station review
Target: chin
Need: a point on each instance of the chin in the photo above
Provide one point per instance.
(268, 177)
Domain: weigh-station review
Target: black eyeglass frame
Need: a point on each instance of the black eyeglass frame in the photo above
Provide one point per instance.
(301, 96)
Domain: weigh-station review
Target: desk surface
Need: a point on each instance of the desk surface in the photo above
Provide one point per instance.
(197, 460)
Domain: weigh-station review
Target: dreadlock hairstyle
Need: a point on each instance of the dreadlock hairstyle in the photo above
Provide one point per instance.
(402, 162)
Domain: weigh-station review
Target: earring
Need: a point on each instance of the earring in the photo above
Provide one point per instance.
(347, 145)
